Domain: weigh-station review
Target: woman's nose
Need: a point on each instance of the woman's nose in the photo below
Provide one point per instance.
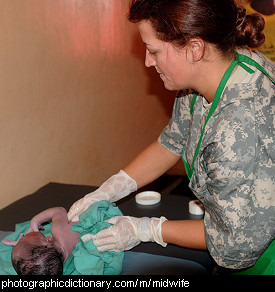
(149, 60)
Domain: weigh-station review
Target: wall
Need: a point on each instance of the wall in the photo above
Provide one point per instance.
(76, 102)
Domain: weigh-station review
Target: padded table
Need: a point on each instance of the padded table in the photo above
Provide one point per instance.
(174, 205)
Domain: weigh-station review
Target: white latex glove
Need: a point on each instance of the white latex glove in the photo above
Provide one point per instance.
(126, 233)
(115, 188)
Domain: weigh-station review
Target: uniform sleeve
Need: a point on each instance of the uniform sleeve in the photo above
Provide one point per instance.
(174, 135)
(239, 190)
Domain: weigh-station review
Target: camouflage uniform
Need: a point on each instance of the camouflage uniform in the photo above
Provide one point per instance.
(234, 173)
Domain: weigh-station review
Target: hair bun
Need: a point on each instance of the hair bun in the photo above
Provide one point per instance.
(249, 29)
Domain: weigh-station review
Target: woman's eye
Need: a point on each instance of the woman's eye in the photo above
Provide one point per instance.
(151, 52)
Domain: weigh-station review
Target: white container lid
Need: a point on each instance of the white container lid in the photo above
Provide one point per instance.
(148, 198)
(196, 208)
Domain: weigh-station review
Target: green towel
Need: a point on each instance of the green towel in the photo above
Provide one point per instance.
(85, 259)
(265, 265)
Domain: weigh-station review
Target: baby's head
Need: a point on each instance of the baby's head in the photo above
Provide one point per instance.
(35, 254)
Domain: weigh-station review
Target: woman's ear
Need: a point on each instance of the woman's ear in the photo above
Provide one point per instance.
(196, 49)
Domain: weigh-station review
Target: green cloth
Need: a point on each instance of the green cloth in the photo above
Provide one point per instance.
(85, 256)
(85, 259)
(265, 265)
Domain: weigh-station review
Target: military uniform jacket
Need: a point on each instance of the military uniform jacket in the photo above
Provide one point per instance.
(234, 173)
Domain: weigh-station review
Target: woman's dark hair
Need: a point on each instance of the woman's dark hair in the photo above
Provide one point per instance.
(41, 260)
(220, 22)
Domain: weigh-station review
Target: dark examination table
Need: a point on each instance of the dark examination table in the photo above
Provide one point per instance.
(173, 205)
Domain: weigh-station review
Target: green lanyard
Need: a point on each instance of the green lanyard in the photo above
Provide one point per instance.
(239, 60)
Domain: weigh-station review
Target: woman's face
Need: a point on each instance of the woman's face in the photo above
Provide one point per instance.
(170, 62)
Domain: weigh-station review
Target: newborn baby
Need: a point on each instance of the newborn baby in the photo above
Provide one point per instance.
(35, 254)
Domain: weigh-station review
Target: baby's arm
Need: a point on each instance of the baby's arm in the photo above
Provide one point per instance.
(11, 242)
(45, 216)
(57, 215)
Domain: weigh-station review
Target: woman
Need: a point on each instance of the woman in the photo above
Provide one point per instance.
(223, 129)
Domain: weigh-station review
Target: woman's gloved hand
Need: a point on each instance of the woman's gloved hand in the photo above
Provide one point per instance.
(127, 232)
(115, 188)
